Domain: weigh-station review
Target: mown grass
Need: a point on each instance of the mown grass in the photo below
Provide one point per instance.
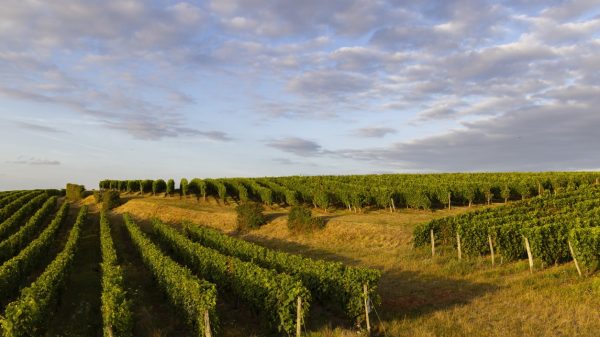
(421, 296)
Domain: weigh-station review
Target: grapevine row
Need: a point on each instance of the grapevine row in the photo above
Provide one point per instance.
(378, 191)
(14, 271)
(586, 245)
(11, 196)
(193, 296)
(267, 291)
(549, 228)
(329, 282)
(17, 210)
(522, 211)
(14, 243)
(26, 315)
(116, 311)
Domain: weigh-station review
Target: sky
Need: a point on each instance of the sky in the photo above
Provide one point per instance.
(132, 89)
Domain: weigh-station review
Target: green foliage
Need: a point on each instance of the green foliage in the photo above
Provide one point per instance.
(259, 192)
(272, 294)
(158, 186)
(25, 207)
(146, 186)
(10, 197)
(549, 242)
(505, 192)
(300, 219)
(133, 186)
(14, 243)
(322, 199)
(586, 245)
(190, 294)
(509, 241)
(423, 191)
(116, 309)
(110, 199)
(14, 271)
(250, 216)
(418, 199)
(331, 283)
(199, 188)
(170, 187)
(97, 196)
(75, 192)
(183, 187)
(469, 192)
(26, 316)
(104, 184)
(544, 220)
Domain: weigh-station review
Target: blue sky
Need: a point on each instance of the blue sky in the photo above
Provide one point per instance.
(148, 89)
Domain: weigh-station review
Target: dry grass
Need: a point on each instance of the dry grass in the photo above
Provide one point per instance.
(420, 296)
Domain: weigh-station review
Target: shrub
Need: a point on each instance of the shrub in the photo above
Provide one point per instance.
(97, 196)
(250, 216)
(75, 192)
(110, 199)
(300, 219)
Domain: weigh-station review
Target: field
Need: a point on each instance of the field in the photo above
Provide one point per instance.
(420, 295)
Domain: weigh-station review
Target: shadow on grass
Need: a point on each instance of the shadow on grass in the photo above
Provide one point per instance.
(327, 218)
(270, 217)
(297, 248)
(412, 294)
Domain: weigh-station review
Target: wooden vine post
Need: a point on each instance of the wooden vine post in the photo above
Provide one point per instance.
(491, 249)
(367, 309)
(458, 245)
(432, 243)
(393, 205)
(299, 317)
(207, 332)
(529, 256)
(574, 258)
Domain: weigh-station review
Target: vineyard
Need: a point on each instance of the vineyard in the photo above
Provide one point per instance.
(554, 228)
(280, 288)
(391, 191)
(398, 255)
